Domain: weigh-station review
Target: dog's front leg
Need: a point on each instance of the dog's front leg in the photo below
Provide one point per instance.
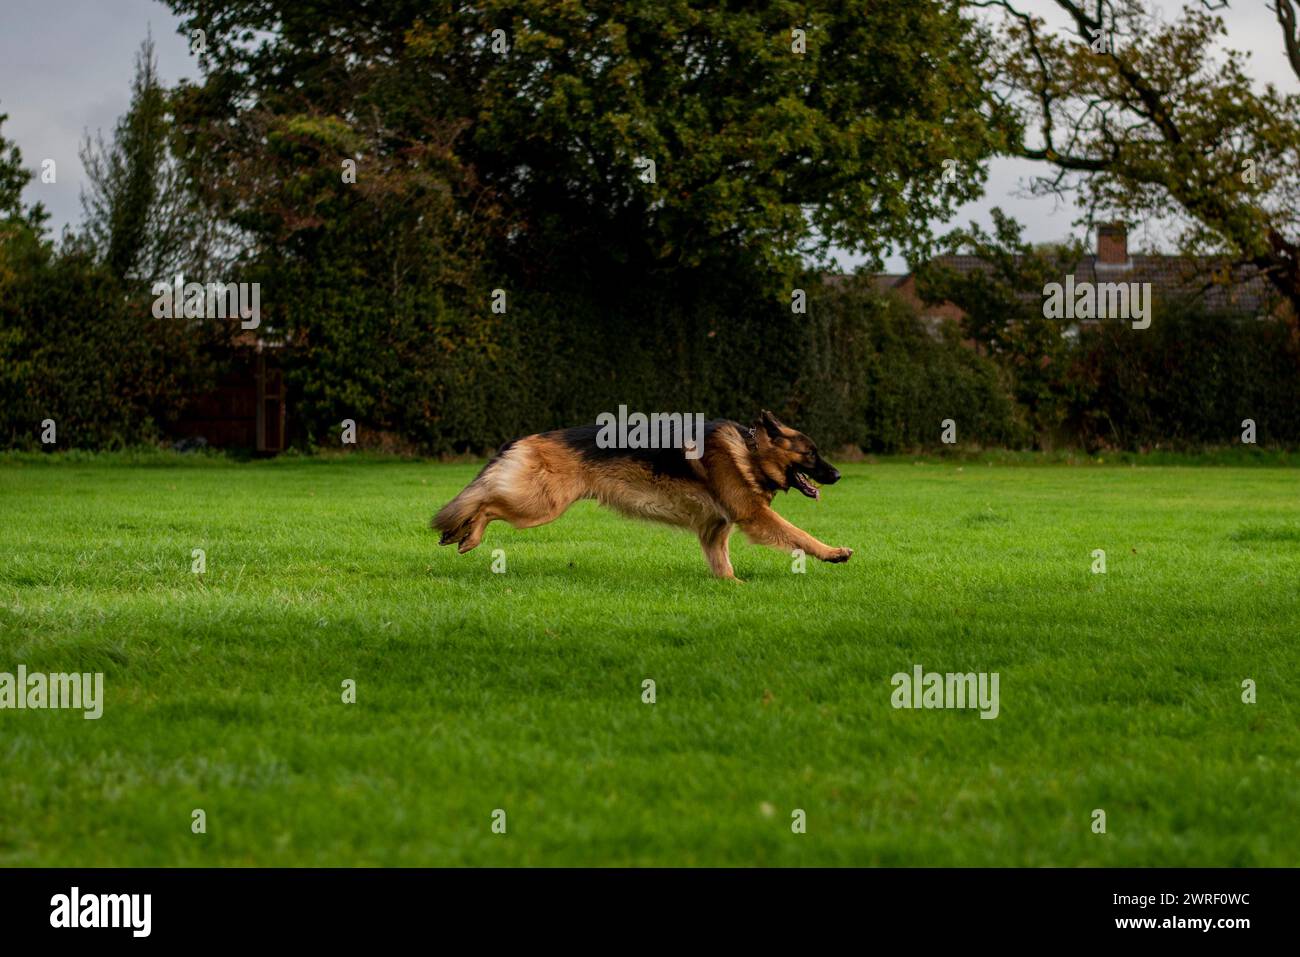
(769, 528)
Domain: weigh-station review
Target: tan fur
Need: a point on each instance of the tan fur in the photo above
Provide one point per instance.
(537, 478)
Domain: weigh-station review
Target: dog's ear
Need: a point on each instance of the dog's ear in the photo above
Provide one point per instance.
(771, 424)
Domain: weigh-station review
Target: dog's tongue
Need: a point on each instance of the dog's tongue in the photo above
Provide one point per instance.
(806, 487)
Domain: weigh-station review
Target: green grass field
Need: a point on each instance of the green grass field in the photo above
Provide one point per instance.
(523, 691)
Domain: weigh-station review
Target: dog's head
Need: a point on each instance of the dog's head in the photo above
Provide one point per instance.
(789, 459)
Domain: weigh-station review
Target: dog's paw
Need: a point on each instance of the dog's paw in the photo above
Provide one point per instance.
(839, 555)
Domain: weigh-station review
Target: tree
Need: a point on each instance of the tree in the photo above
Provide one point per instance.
(1002, 307)
(14, 178)
(23, 249)
(773, 133)
(78, 344)
(141, 217)
(1148, 118)
(509, 146)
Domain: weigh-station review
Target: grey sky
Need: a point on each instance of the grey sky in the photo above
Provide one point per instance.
(66, 65)
(65, 68)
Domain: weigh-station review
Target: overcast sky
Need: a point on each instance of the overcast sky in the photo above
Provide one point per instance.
(66, 66)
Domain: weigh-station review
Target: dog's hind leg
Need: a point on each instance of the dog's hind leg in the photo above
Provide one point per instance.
(523, 507)
(539, 508)
(520, 514)
(526, 513)
(530, 482)
(477, 525)
(714, 540)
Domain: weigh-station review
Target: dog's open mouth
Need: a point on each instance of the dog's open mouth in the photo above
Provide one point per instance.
(806, 485)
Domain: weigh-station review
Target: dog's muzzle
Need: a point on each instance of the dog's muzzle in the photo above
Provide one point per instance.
(807, 484)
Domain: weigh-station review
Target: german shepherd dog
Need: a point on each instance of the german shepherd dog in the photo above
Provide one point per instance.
(531, 481)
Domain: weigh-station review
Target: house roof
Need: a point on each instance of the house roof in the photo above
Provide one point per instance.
(882, 281)
(1209, 281)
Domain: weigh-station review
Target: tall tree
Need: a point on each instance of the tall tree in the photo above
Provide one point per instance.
(14, 178)
(772, 130)
(614, 169)
(1151, 118)
(23, 251)
(129, 208)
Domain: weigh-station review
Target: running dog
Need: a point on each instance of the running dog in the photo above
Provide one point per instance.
(531, 481)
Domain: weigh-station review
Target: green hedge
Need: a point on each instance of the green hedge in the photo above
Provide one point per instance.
(1188, 380)
(444, 374)
(856, 369)
(873, 376)
(76, 349)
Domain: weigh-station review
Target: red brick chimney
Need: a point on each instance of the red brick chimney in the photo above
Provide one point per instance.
(1112, 244)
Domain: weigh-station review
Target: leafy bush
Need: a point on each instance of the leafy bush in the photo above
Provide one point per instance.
(856, 369)
(1190, 379)
(874, 376)
(75, 349)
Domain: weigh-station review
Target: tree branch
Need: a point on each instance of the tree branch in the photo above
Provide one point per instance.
(1287, 17)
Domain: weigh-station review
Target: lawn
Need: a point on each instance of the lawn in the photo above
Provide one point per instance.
(523, 691)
